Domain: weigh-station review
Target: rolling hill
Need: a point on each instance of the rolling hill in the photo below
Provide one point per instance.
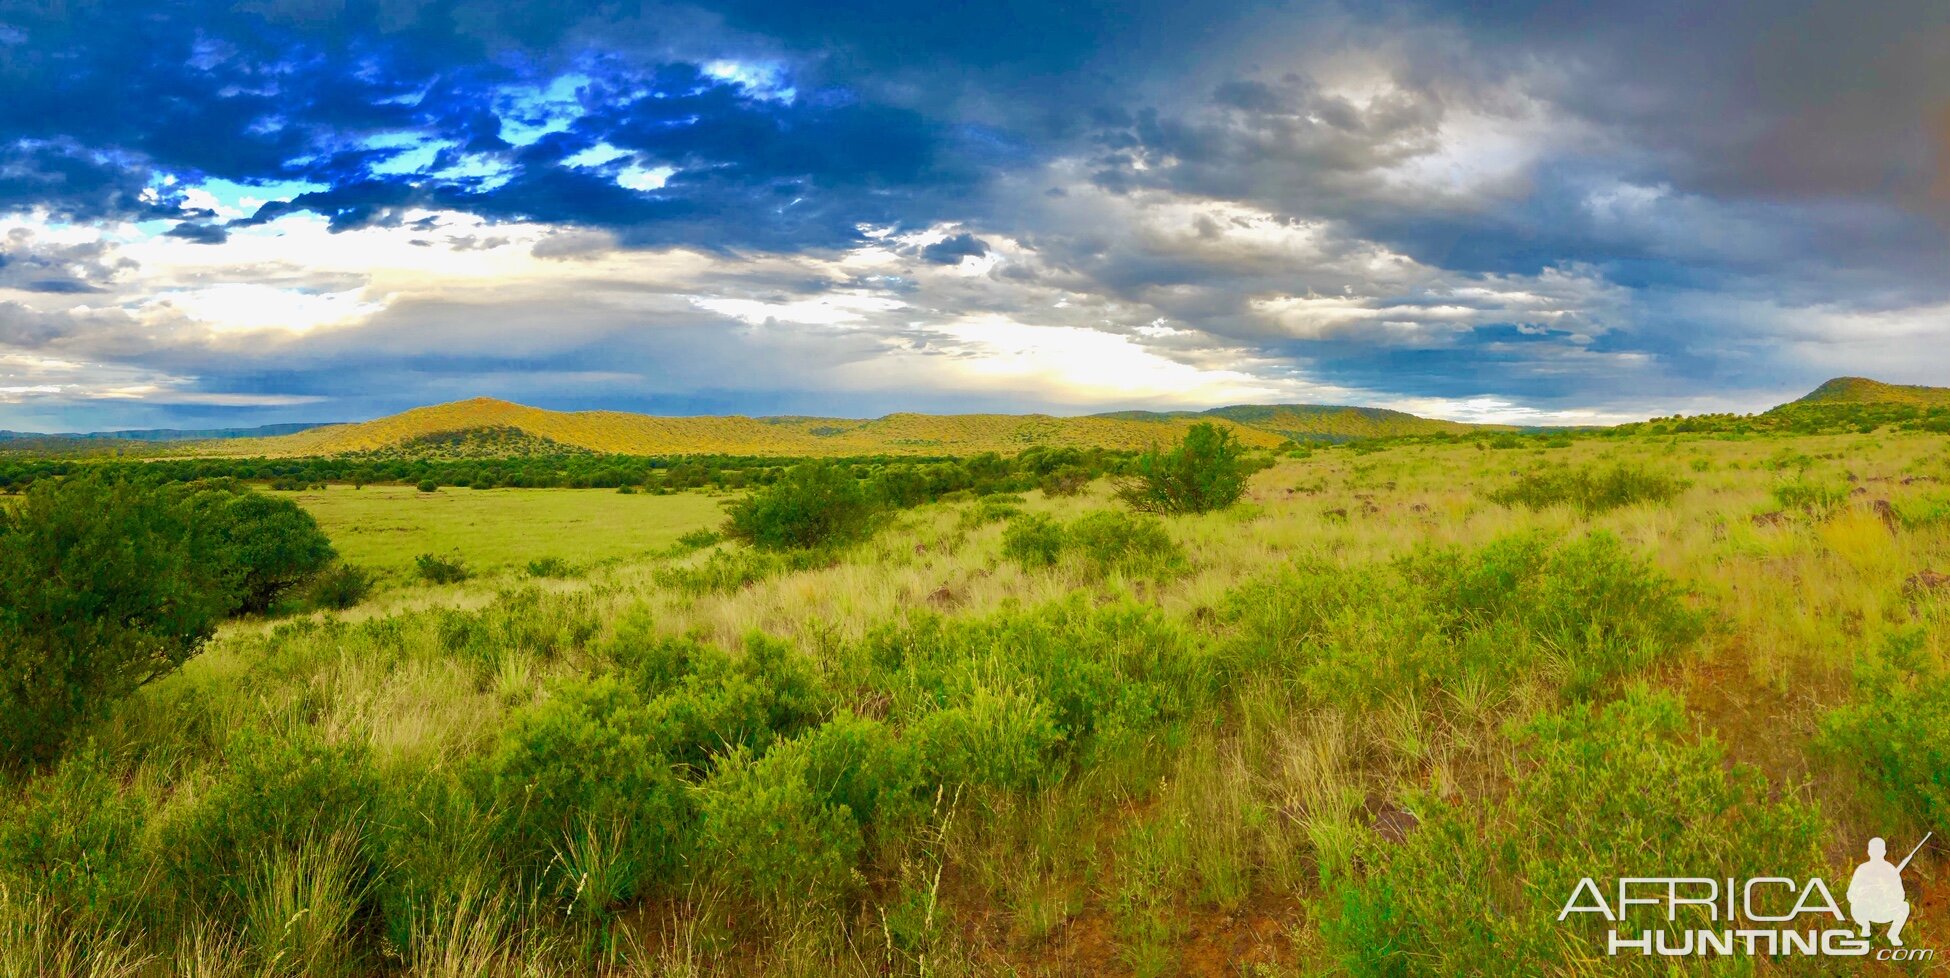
(487, 421)
(1861, 390)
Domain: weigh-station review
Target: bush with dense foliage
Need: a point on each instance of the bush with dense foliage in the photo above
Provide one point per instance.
(1102, 542)
(104, 585)
(435, 569)
(1206, 471)
(273, 545)
(1590, 490)
(817, 504)
(1484, 882)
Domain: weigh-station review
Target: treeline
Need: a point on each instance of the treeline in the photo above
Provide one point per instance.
(902, 480)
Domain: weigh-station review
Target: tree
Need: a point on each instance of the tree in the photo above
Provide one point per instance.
(1205, 472)
(104, 585)
(272, 545)
(813, 505)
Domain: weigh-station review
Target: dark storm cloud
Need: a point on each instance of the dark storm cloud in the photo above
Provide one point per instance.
(949, 251)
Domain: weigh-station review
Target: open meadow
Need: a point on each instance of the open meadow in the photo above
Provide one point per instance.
(385, 527)
(1376, 718)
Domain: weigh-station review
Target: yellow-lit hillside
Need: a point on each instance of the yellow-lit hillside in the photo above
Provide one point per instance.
(622, 432)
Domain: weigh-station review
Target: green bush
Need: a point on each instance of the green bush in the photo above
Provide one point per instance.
(1898, 734)
(341, 587)
(440, 570)
(1033, 540)
(1601, 792)
(1112, 541)
(1102, 542)
(104, 586)
(1810, 496)
(1581, 613)
(549, 567)
(725, 571)
(271, 544)
(429, 485)
(1205, 472)
(790, 826)
(1590, 491)
(589, 759)
(996, 740)
(275, 794)
(73, 836)
(816, 504)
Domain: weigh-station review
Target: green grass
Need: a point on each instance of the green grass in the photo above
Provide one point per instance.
(385, 527)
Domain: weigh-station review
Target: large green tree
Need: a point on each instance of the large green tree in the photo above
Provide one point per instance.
(104, 585)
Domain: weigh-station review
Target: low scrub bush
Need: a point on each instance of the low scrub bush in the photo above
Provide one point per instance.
(275, 795)
(440, 570)
(1898, 734)
(1810, 496)
(816, 504)
(1006, 740)
(590, 758)
(73, 837)
(1582, 613)
(1102, 542)
(340, 586)
(1590, 491)
(791, 826)
(725, 571)
(549, 567)
(1206, 471)
(1597, 791)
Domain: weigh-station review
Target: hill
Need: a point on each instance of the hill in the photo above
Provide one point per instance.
(157, 434)
(1861, 390)
(486, 421)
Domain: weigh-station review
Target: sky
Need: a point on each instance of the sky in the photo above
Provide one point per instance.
(240, 213)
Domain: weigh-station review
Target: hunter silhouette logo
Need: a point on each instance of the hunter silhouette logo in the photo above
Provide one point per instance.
(1772, 916)
(1875, 892)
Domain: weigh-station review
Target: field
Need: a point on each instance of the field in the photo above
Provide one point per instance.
(494, 530)
(1370, 720)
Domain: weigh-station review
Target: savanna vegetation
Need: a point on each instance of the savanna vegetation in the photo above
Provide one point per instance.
(1369, 709)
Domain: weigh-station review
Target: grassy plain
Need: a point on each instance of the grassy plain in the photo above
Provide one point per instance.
(1330, 735)
(491, 530)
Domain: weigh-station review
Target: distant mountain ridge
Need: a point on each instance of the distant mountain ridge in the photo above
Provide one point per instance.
(486, 421)
(162, 434)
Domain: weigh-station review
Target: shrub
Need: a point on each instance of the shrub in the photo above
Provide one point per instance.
(73, 836)
(590, 758)
(1033, 540)
(791, 825)
(995, 740)
(1590, 491)
(1898, 733)
(1103, 542)
(1817, 499)
(549, 567)
(699, 539)
(104, 586)
(341, 587)
(275, 794)
(429, 485)
(1598, 792)
(815, 504)
(1205, 472)
(271, 544)
(1110, 540)
(725, 571)
(440, 570)
(1069, 480)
